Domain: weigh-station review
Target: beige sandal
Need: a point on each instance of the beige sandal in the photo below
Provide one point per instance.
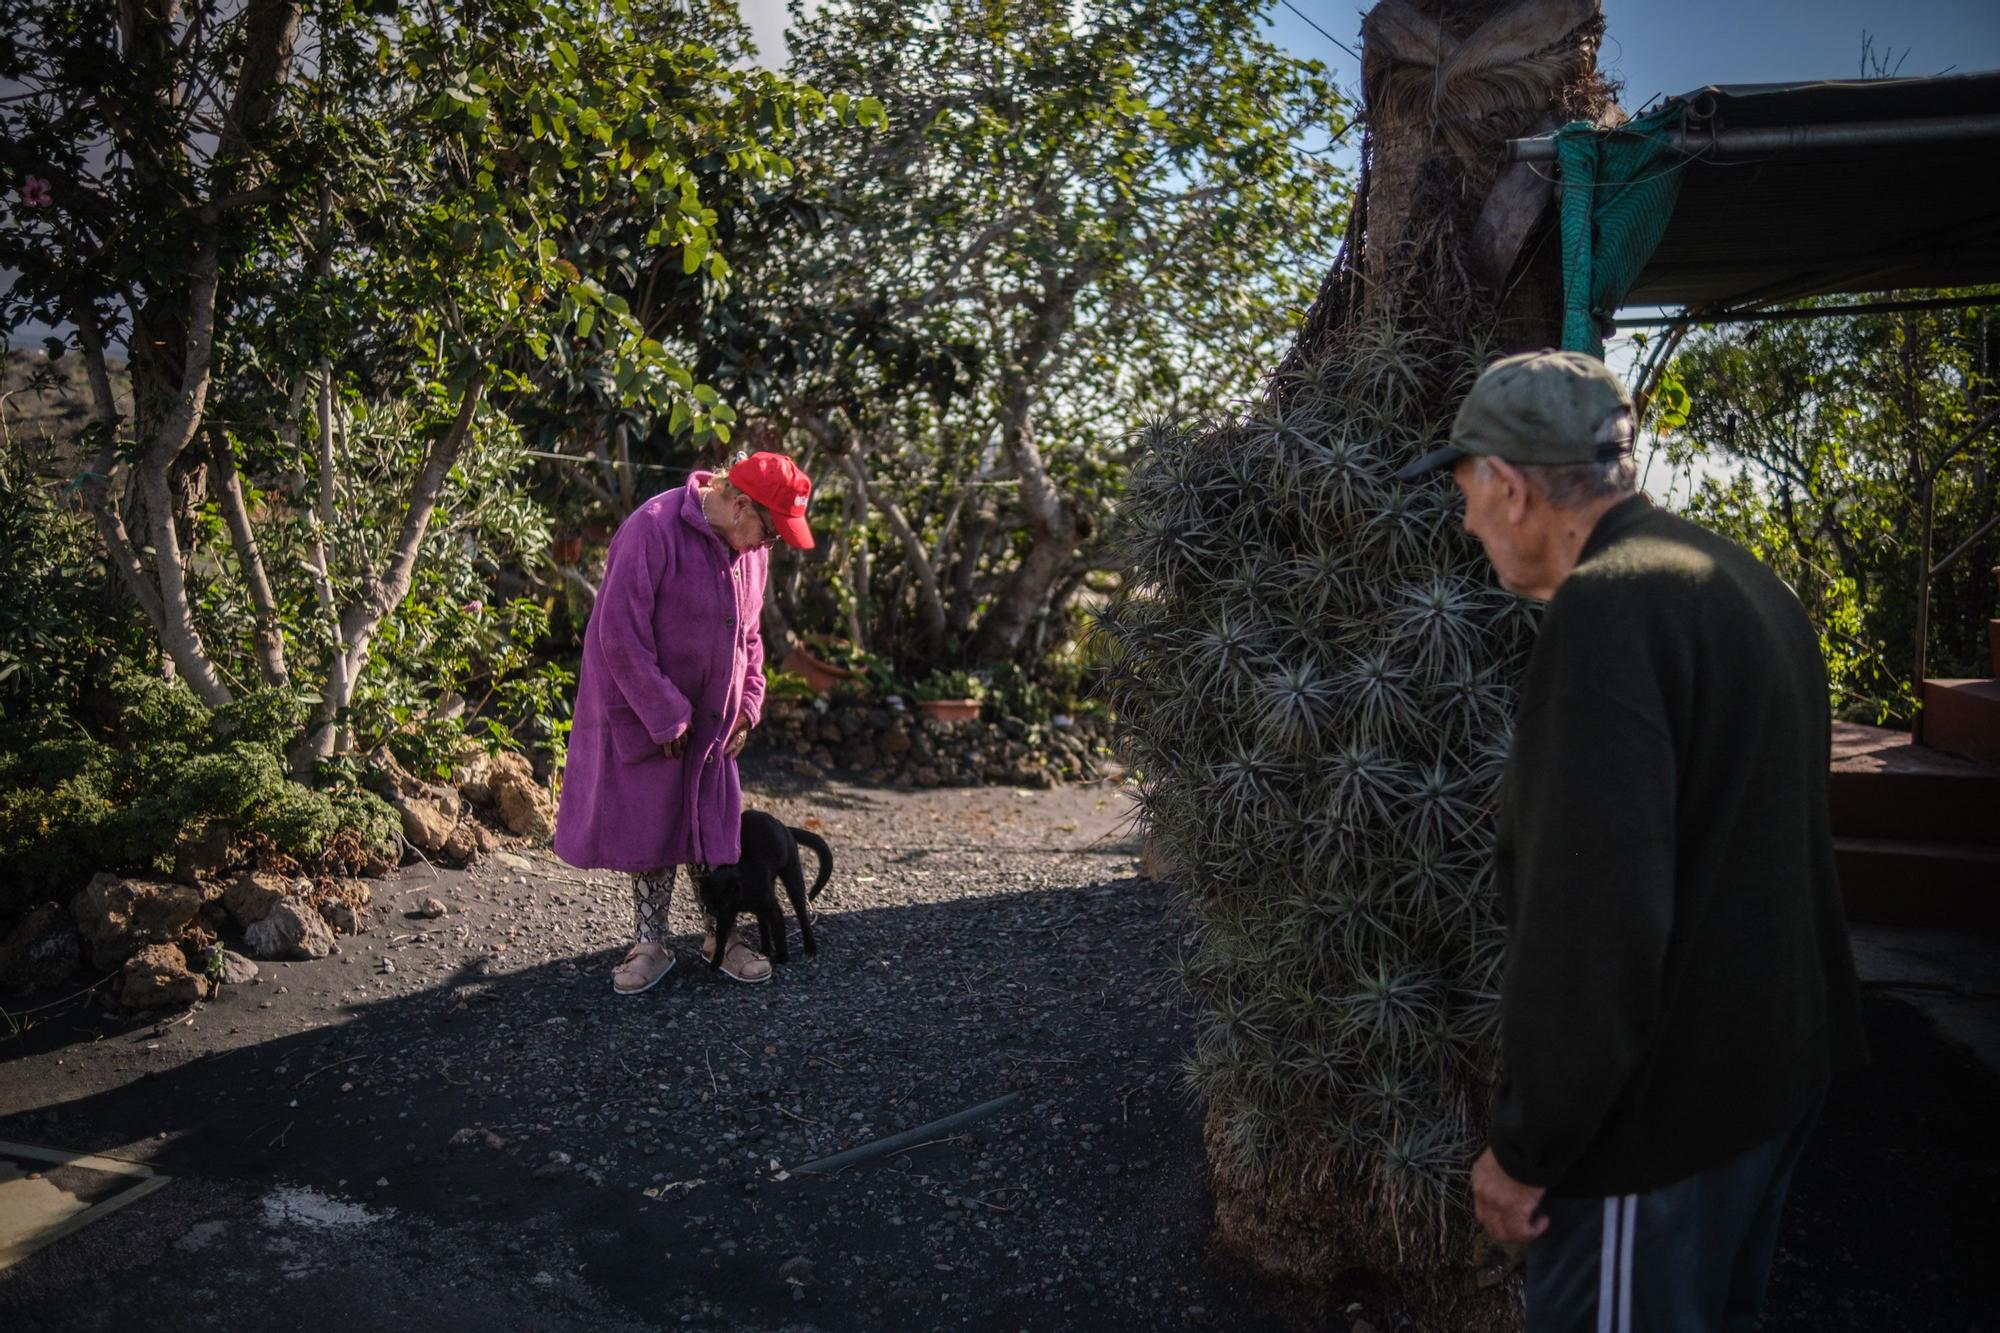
(740, 962)
(645, 965)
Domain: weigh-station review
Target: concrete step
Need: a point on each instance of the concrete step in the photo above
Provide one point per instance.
(1890, 882)
(1884, 786)
(1962, 717)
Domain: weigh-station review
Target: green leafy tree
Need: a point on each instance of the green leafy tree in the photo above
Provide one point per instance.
(1073, 218)
(347, 259)
(1852, 454)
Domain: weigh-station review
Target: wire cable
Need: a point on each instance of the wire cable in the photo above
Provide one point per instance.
(1321, 31)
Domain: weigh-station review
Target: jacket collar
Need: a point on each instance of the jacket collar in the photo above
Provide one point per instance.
(1616, 523)
(690, 505)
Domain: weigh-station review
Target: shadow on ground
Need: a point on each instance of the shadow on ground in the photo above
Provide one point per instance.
(525, 1145)
(455, 1124)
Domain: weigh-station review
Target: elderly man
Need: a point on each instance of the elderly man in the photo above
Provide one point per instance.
(1678, 987)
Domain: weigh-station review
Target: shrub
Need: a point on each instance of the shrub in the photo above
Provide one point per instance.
(786, 685)
(51, 618)
(951, 685)
(72, 805)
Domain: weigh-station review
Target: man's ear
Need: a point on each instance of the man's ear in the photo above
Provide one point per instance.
(1515, 493)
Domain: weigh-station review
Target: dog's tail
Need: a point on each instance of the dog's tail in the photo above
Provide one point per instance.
(823, 852)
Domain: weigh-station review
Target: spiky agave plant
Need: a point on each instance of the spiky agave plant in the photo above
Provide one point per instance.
(1314, 673)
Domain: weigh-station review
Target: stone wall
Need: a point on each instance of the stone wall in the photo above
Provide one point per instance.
(880, 743)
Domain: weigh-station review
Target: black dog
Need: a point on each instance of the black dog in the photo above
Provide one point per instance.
(770, 852)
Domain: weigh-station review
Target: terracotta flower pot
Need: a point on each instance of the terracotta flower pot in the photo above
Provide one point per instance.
(949, 710)
(818, 673)
(566, 550)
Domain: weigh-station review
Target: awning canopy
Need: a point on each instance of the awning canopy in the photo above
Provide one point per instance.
(1810, 189)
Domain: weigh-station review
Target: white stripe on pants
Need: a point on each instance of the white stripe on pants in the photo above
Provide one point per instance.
(1614, 1265)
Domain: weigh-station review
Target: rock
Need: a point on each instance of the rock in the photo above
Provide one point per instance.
(430, 909)
(157, 977)
(390, 779)
(426, 823)
(289, 932)
(473, 777)
(463, 844)
(252, 896)
(895, 739)
(236, 969)
(513, 862)
(428, 811)
(342, 918)
(354, 892)
(42, 951)
(206, 854)
(119, 917)
(523, 803)
(804, 768)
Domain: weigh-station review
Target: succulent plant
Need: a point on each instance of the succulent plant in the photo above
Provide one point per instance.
(1314, 675)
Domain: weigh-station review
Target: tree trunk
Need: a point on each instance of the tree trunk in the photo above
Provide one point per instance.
(1051, 520)
(1448, 262)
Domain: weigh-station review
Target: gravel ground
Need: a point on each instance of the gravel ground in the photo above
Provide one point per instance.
(644, 1150)
(454, 1123)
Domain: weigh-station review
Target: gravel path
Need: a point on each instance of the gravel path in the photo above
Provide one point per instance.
(644, 1150)
(454, 1123)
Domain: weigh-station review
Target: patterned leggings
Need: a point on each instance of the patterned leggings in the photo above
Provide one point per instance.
(652, 894)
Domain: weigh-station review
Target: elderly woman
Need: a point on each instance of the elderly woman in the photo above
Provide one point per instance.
(671, 684)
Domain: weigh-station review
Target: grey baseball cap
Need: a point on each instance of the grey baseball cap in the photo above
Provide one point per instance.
(1544, 408)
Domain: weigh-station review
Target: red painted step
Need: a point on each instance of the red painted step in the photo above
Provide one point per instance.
(1890, 882)
(1962, 717)
(1916, 831)
(1885, 786)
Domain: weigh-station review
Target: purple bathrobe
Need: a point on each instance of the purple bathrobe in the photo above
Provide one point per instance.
(672, 646)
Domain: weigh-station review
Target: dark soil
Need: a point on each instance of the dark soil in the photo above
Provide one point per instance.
(455, 1123)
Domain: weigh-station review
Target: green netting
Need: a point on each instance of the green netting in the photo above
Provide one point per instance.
(1618, 191)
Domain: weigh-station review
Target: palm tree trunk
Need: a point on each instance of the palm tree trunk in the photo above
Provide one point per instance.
(1324, 773)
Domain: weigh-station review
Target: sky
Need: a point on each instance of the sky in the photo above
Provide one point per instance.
(1671, 46)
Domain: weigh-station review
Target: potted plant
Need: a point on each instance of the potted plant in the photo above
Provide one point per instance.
(815, 670)
(786, 691)
(950, 696)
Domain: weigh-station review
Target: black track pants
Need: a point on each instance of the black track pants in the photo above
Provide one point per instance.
(1690, 1257)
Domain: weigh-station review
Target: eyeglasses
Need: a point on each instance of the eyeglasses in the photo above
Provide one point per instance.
(765, 523)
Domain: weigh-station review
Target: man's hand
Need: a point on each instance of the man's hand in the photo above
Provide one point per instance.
(1504, 1206)
(738, 738)
(677, 745)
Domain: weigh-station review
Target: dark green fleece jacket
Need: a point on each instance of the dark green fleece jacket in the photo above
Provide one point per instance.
(1678, 982)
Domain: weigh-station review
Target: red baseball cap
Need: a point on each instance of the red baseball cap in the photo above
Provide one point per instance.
(775, 482)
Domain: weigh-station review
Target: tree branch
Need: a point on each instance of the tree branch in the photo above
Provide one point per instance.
(270, 632)
(930, 604)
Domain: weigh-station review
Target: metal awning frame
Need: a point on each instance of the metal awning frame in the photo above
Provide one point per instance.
(1776, 138)
(1744, 316)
